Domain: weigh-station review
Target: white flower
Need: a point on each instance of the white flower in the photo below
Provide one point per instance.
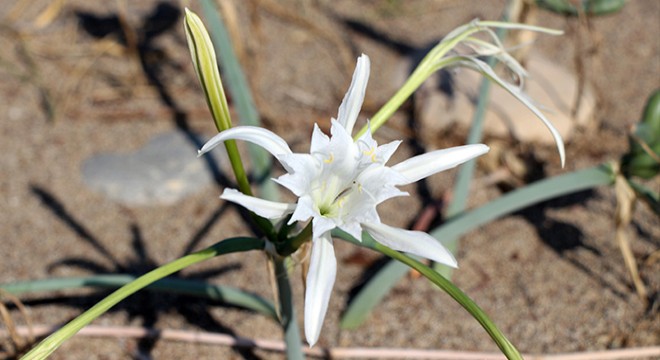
(338, 185)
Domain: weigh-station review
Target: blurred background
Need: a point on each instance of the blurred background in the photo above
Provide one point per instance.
(101, 115)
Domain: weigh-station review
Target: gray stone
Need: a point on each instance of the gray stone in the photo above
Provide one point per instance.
(162, 172)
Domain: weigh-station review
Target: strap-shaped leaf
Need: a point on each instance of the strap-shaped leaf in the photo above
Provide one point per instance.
(51, 343)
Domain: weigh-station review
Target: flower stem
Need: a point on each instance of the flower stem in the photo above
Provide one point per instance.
(447, 286)
(468, 304)
(290, 246)
(431, 63)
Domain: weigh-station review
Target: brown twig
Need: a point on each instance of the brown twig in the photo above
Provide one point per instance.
(334, 353)
(625, 202)
(14, 334)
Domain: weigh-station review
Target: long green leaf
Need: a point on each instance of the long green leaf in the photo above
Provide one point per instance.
(590, 7)
(519, 199)
(288, 313)
(447, 286)
(51, 343)
(226, 294)
(373, 292)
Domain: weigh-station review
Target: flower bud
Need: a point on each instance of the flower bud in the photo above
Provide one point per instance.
(206, 67)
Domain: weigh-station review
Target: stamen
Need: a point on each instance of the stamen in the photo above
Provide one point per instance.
(371, 152)
(330, 160)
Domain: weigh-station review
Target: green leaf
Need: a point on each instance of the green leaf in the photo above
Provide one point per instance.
(591, 7)
(225, 294)
(288, 313)
(642, 157)
(372, 293)
(52, 342)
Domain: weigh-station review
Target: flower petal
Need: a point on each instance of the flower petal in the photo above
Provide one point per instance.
(414, 242)
(320, 280)
(421, 166)
(302, 169)
(354, 229)
(340, 160)
(488, 72)
(304, 210)
(370, 149)
(261, 207)
(350, 106)
(320, 140)
(385, 151)
(322, 225)
(378, 183)
(259, 136)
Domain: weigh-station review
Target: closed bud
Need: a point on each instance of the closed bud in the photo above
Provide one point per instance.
(206, 67)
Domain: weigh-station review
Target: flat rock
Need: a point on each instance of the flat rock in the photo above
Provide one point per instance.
(162, 172)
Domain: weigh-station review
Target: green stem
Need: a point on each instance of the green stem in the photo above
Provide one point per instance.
(290, 246)
(237, 166)
(431, 63)
(225, 294)
(51, 343)
(447, 286)
(288, 314)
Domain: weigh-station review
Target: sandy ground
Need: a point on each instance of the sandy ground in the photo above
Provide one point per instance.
(552, 276)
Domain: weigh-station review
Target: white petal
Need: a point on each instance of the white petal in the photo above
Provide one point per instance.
(319, 140)
(413, 242)
(302, 169)
(350, 106)
(261, 207)
(341, 158)
(487, 71)
(379, 181)
(298, 185)
(260, 136)
(322, 225)
(304, 210)
(369, 146)
(354, 229)
(384, 152)
(303, 164)
(320, 280)
(427, 164)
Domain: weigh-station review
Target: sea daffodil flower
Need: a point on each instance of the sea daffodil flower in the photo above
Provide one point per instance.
(338, 185)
